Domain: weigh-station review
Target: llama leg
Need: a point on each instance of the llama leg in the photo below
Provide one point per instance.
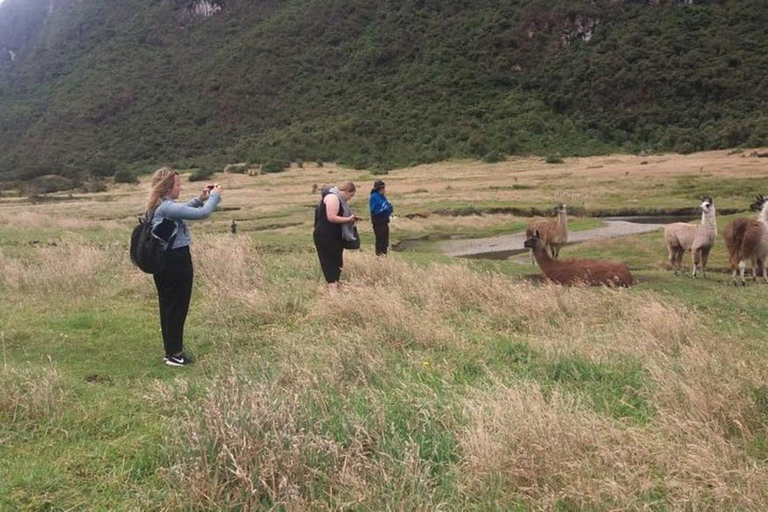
(695, 259)
(671, 259)
(764, 268)
(704, 258)
(742, 267)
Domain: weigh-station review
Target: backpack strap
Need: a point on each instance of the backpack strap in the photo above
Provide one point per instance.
(171, 240)
(148, 218)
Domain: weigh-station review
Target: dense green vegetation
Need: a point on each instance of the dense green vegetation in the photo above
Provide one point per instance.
(100, 87)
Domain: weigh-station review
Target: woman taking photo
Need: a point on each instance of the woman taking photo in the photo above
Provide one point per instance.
(332, 217)
(174, 282)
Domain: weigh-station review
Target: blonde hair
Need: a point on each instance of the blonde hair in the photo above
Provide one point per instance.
(348, 187)
(161, 184)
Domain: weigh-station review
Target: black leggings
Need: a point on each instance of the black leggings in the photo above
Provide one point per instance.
(331, 256)
(381, 230)
(174, 289)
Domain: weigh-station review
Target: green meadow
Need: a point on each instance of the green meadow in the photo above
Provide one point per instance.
(427, 382)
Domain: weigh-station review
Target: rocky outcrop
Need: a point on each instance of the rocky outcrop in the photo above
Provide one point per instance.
(189, 10)
(581, 28)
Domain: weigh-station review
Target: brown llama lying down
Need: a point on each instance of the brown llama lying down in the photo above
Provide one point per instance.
(573, 272)
(747, 241)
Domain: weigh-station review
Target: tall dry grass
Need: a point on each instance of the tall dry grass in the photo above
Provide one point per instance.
(549, 447)
(430, 305)
(33, 397)
(71, 268)
(26, 219)
(265, 439)
(239, 286)
(251, 445)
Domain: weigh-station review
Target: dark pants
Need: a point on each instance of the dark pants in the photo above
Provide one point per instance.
(330, 252)
(381, 230)
(174, 289)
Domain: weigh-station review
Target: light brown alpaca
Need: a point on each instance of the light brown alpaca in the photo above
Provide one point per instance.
(747, 240)
(553, 232)
(699, 239)
(571, 272)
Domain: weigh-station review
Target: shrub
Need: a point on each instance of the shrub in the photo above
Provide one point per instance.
(93, 186)
(126, 176)
(201, 174)
(272, 166)
(554, 159)
(102, 167)
(240, 168)
(52, 183)
(380, 169)
(493, 157)
(685, 148)
(359, 162)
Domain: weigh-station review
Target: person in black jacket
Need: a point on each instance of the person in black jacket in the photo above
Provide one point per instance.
(381, 210)
(329, 220)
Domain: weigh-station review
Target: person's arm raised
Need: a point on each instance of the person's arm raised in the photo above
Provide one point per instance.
(332, 208)
(182, 211)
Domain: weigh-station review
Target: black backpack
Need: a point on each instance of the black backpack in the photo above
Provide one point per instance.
(146, 249)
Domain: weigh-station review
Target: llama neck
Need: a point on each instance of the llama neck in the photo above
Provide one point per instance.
(562, 220)
(708, 220)
(542, 257)
(763, 217)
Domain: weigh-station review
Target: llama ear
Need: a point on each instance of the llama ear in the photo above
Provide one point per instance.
(536, 234)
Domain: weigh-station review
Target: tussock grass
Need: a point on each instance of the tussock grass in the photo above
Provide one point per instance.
(32, 397)
(25, 219)
(253, 445)
(599, 397)
(69, 269)
(553, 451)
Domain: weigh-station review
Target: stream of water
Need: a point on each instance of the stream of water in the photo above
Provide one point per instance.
(503, 246)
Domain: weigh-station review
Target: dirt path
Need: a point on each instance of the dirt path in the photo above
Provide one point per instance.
(512, 244)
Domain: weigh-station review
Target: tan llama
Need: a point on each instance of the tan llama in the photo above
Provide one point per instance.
(574, 272)
(699, 239)
(552, 232)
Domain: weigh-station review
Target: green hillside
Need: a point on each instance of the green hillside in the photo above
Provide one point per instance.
(94, 87)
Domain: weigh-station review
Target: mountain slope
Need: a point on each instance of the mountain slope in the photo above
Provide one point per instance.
(98, 86)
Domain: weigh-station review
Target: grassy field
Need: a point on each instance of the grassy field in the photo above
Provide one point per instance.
(428, 382)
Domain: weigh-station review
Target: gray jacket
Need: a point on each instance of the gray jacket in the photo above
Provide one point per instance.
(180, 213)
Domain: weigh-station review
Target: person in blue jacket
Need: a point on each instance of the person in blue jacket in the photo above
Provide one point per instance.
(381, 210)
